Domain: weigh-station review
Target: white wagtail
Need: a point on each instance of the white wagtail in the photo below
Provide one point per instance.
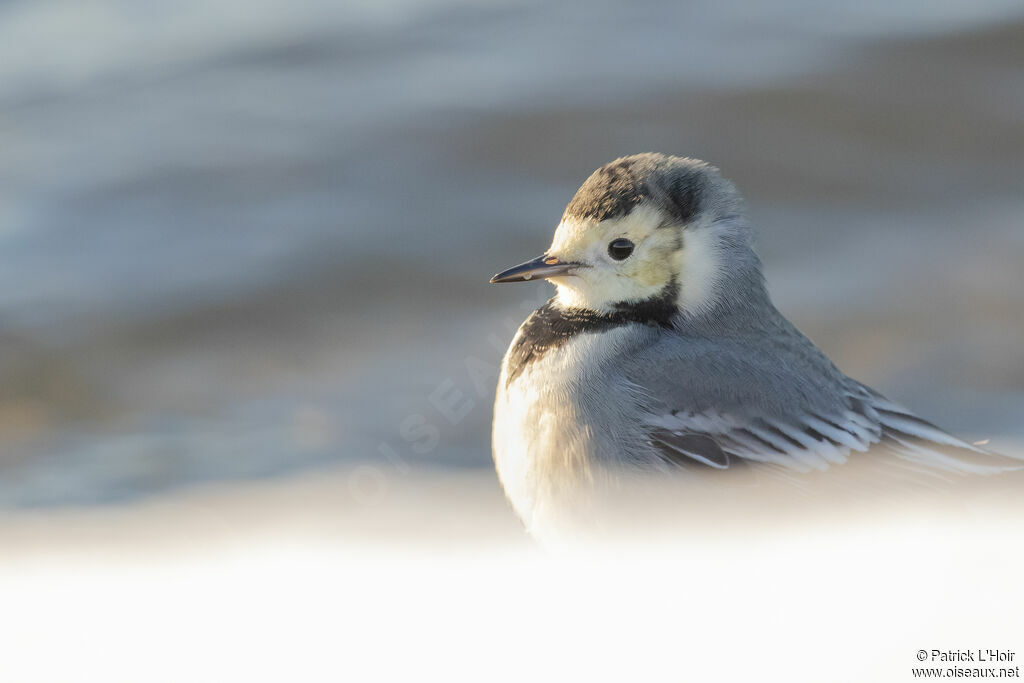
(661, 347)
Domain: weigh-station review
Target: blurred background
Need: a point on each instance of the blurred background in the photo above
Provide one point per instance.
(250, 243)
(248, 348)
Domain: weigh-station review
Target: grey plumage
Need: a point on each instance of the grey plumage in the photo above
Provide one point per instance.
(617, 187)
(611, 375)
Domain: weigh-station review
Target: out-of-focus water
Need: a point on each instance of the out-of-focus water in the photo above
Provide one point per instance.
(241, 239)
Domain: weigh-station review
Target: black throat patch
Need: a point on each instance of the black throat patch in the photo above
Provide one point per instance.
(551, 327)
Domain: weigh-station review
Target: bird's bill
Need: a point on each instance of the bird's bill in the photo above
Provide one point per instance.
(540, 267)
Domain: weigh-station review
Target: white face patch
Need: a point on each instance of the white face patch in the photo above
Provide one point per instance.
(606, 281)
(698, 268)
(656, 260)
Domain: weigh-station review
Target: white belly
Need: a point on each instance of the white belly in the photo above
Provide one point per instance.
(547, 452)
(534, 447)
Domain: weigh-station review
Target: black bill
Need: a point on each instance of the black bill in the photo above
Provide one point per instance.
(540, 267)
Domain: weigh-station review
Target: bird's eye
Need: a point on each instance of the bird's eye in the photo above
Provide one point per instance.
(620, 248)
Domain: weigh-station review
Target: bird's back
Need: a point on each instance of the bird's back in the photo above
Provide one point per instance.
(620, 403)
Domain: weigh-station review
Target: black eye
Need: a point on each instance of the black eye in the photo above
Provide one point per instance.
(620, 248)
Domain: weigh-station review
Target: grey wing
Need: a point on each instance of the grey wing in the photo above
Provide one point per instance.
(800, 414)
(816, 441)
(801, 443)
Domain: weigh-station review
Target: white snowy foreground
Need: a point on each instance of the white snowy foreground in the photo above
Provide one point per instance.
(430, 578)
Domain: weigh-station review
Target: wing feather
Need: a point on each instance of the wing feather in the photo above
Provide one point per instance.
(812, 442)
(774, 398)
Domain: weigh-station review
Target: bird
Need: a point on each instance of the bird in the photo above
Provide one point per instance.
(662, 352)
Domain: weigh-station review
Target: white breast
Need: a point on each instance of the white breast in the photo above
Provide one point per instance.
(546, 451)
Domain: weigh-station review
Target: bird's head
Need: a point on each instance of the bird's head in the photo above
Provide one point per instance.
(647, 231)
